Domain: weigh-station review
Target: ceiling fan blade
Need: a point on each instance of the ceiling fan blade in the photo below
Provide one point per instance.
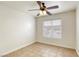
(48, 13)
(33, 9)
(39, 3)
(53, 7)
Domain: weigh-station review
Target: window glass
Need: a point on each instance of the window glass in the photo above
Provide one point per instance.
(52, 29)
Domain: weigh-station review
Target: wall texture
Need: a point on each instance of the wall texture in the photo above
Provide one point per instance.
(77, 29)
(17, 29)
(68, 29)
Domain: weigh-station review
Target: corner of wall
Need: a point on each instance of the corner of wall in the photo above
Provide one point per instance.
(77, 52)
(17, 48)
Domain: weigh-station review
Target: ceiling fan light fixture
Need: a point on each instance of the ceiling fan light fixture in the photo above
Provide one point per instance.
(43, 13)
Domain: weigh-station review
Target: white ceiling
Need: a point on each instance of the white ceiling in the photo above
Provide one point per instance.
(24, 6)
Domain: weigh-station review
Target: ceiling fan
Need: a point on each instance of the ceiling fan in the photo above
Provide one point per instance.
(43, 8)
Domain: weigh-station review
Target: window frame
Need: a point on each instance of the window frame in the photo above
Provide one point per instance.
(60, 25)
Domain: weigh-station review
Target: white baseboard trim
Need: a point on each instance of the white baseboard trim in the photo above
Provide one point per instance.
(30, 44)
(77, 52)
(17, 48)
(56, 44)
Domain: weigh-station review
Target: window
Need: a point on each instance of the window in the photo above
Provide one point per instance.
(52, 29)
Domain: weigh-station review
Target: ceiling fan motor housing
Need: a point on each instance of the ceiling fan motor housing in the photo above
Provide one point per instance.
(42, 8)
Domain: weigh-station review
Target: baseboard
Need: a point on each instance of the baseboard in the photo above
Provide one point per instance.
(17, 48)
(77, 52)
(30, 44)
(56, 45)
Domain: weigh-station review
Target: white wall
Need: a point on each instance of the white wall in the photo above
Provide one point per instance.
(77, 29)
(68, 29)
(17, 29)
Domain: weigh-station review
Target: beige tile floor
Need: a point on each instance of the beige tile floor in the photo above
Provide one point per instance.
(43, 50)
